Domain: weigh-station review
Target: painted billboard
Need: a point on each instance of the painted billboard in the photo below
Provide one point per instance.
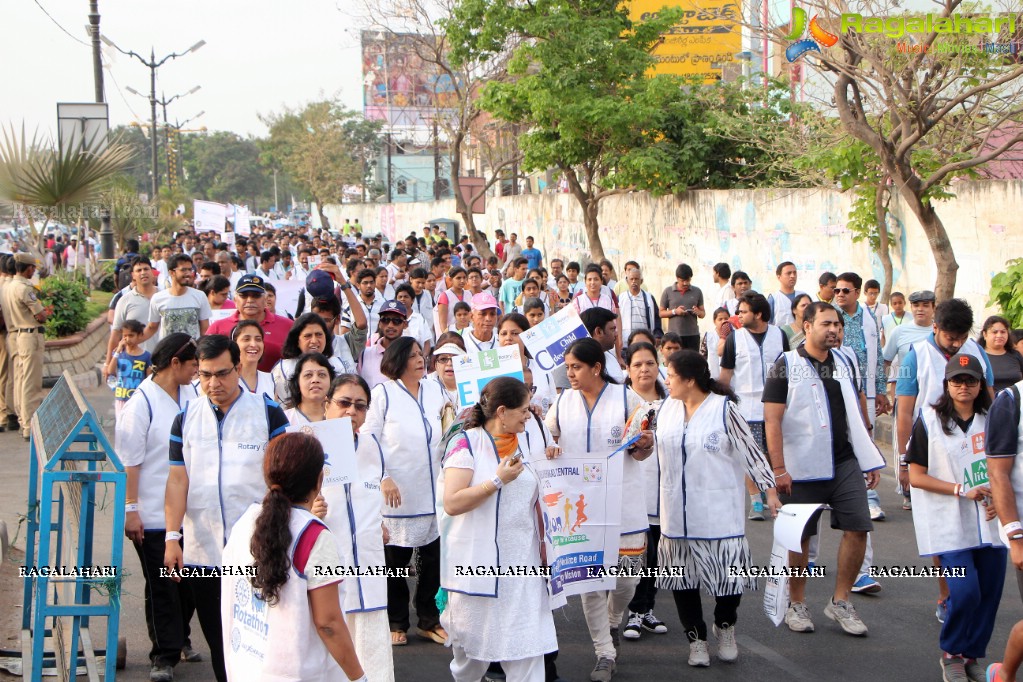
(400, 85)
(702, 43)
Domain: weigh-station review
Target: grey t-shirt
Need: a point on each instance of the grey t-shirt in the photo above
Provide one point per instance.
(683, 325)
(132, 305)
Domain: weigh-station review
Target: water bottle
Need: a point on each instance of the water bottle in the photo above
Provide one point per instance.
(112, 382)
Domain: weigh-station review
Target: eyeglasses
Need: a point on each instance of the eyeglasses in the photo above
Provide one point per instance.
(345, 403)
(964, 381)
(444, 360)
(186, 344)
(222, 374)
(844, 290)
(396, 321)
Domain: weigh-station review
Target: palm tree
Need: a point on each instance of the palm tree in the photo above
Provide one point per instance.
(37, 175)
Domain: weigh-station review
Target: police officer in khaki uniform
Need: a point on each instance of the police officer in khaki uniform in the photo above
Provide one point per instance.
(25, 340)
(8, 419)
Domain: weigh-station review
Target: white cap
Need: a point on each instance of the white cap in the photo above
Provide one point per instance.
(448, 349)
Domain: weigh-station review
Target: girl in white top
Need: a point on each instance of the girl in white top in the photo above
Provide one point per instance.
(141, 440)
(405, 417)
(595, 295)
(490, 517)
(444, 311)
(309, 334)
(704, 450)
(591, 417)
(953, 514)
(248, 334)
(308, 386)
(541, 384)
(285, 621)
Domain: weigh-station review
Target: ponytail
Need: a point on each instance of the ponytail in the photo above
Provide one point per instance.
(476, 417)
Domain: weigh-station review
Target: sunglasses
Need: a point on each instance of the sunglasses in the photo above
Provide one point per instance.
(844, 290)
(345, 403)
(396, 321)
(964, 381)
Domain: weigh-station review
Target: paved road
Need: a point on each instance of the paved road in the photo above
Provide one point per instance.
(902, 644)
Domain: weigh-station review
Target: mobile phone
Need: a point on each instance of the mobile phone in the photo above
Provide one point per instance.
(515, 458)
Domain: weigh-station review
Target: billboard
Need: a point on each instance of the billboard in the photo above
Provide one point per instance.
(400, 86)
(702, 43)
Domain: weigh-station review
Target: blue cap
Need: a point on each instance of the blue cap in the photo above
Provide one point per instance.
(319, 284)
(251, 283)
(393, 307)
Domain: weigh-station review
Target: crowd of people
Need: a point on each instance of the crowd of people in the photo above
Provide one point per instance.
(743, 399)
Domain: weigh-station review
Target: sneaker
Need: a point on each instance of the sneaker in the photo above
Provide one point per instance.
(756, 510)
(907, 504)
(953, 669)
(992, 673)
(699, 654)
(876, 513)
(975, 671)
(604, 670)
(161, 673)
(190, 655)
(866, 585)
(616, 638)
(652, 623)
(634, 628)
(728, 650)
(797, 617)
(942, 611)
(843, 613)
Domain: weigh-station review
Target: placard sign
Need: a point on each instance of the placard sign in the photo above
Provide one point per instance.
(338, 441)
(209, 216)
(548, 340)
(475, 370)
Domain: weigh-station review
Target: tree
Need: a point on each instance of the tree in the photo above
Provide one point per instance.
(577, 86)
(224, 167)
(927, 107)
(322, 147)
(140, 167)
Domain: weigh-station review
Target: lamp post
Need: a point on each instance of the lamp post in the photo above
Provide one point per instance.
(153, 65)
(163, 102)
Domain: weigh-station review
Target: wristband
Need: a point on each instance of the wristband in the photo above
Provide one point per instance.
(781, 475)
(1012, 526)
(497, 482)
(132, 507)
(172, 536)
(1018, 536)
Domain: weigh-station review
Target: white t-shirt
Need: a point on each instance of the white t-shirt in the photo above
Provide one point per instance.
(179, 313)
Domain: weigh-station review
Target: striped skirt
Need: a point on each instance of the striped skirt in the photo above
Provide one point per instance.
(707, 564)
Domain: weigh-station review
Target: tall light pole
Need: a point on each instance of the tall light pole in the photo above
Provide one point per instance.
(164, 101)
(97, 58)
(153, 65)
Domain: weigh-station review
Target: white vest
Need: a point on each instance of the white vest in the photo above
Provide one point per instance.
(409, 432)
(702, 494)
(930, 370)
(781, 308)
(600, 432)
(806, 427)
(264, 384)
(353, 516)
(947, 523)
(271, 643)
(751, 364)
(710, 340)
(224, 462)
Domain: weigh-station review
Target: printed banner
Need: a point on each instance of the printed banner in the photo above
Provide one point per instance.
(241, 220)
(209, 216)
(582, 507)
(475, 370)
(548, 340)
(338, 441)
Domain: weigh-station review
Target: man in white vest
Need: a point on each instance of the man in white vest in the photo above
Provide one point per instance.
(781, 300)
(216, 457)
(820, 451)
(749, 352)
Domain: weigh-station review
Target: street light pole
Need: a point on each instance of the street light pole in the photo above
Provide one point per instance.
(97, 58)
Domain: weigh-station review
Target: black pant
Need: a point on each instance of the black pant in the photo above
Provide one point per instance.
(690, 342)
(646, 590)
(169, 605)
(690, 612)
(427, 584)
(206, 592)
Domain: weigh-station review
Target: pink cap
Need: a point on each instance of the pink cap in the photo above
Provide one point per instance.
(484, 301)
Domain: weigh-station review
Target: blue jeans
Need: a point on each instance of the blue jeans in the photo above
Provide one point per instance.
(973, 600)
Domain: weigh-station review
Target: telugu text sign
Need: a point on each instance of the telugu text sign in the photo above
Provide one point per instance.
(704, 40)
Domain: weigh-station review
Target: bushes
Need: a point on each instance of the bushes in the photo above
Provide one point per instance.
(67, 294)
(1007, 292)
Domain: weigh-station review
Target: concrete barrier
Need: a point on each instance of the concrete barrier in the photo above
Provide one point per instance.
(77, 354)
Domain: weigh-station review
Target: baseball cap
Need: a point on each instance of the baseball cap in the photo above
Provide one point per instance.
(25, 258)
(962, 363)
(393, 307)
(448, 349)
(921, 296)
(250, 283)
(319, 284)
(484, 301)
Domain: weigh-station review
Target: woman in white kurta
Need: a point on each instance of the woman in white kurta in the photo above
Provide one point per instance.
(404, 416)
(489, 483)
(953, 514)
(590, 418)
(704, 450)
(248, 334)
(285, 621)
(308, 386)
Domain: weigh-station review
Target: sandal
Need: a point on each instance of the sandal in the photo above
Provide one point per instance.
(435, 634)
(398, 638)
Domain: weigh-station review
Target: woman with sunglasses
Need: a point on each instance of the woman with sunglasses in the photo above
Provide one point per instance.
(353, 517)
(953, 514)
(248, 334)
(308, 386)
(405, 417)
(309, 334)
(541, 384)
(141, 440)
(449, 347)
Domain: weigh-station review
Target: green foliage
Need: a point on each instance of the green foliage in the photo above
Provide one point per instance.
(67, 293)
(98, 303)
(1007, 292)
(224, 167)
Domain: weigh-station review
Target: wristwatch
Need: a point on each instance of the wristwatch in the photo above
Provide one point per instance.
(344, 286)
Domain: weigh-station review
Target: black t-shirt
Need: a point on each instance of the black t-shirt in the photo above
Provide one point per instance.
(776, 390)
(916, 449)
(728, 358)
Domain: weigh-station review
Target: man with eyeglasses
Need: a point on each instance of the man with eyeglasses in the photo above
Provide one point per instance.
(216, 456)
(250, 300)
(179, 307)
(392, 323)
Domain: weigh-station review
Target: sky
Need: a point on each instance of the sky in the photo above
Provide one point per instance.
(260, 56)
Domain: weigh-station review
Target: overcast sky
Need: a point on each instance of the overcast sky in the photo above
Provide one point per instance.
(260, 55)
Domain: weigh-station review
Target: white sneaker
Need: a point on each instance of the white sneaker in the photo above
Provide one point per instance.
(634, 628)
(843, 613)
(797, 617)
(728, 650)
(699, 654)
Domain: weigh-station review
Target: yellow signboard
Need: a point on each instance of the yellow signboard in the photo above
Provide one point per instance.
(701, 43)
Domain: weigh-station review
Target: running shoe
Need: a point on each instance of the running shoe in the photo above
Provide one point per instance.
(907, 504)
(797, 617)
(728, 650)
(953, 669)
(975, 671)
(843, 613)
(942, 611)
(634, 628)
(756, 510)
(604, 670)
(699, 654)
(652, 623)
(866, 585)
(876, 513)
(992, 672)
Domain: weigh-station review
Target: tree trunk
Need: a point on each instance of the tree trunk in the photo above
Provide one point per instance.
(323, 218)
(937, 237)
(883, 250)
(479, 241)
(593, 229)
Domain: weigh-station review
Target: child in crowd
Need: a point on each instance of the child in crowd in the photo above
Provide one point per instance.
(462, 314)
(670, 343)
(129, 364)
